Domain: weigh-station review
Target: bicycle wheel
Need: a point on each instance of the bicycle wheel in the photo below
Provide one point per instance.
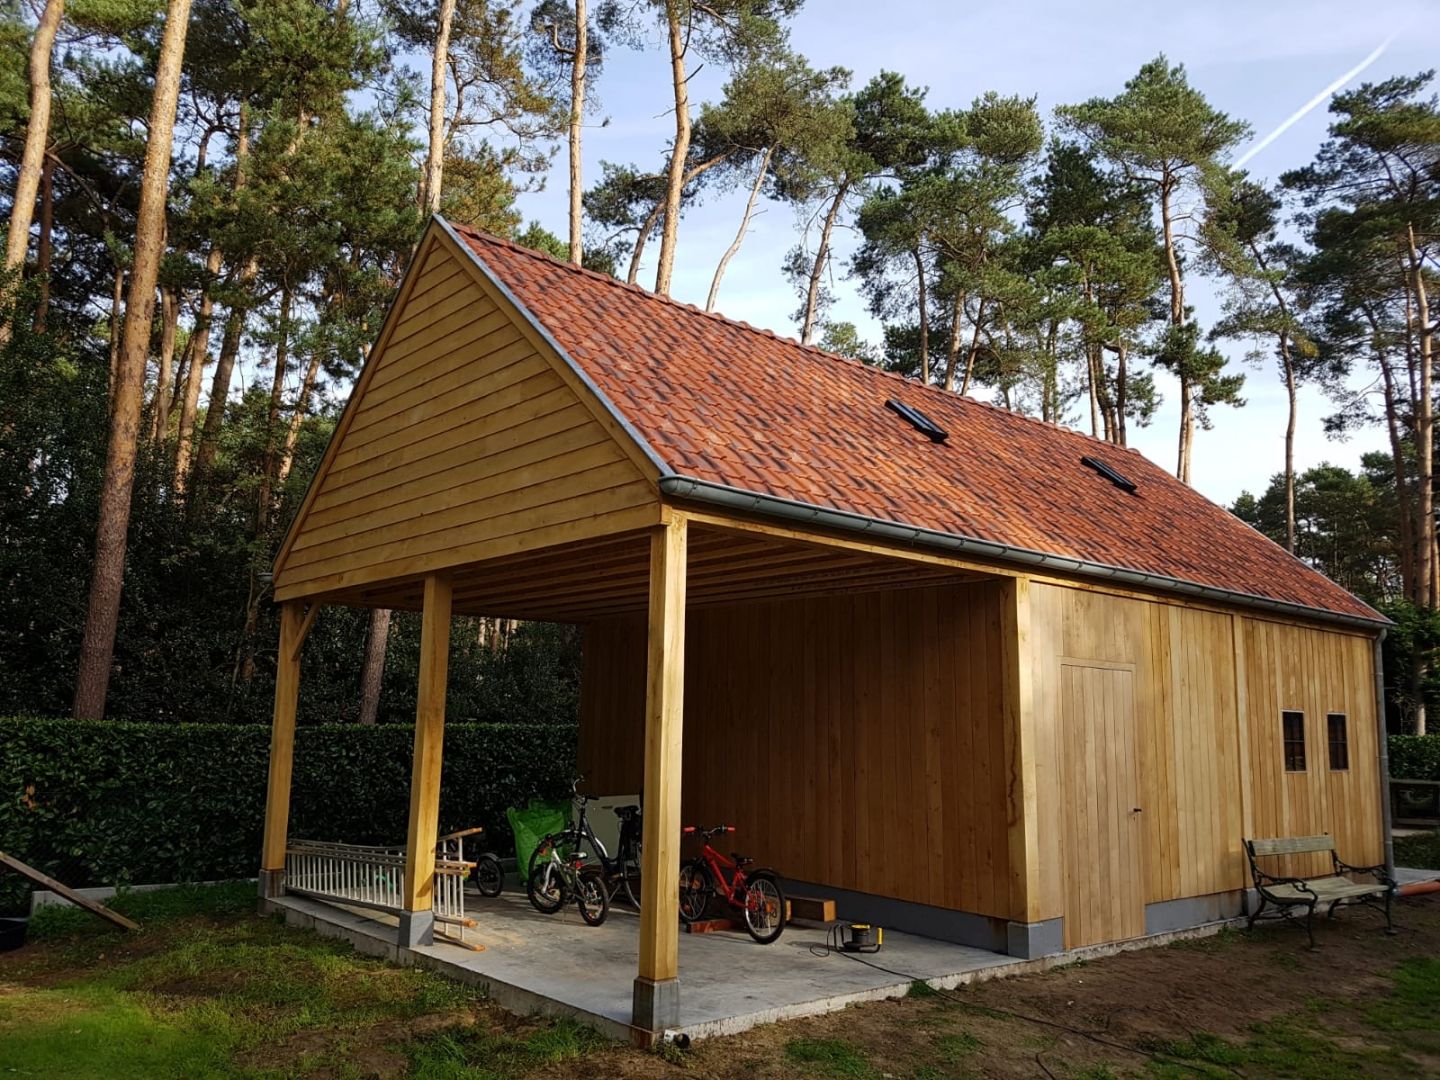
(547, 888)
(630, 879)
(489, 875)
(764, 907)
(591, 896)
(695, 890)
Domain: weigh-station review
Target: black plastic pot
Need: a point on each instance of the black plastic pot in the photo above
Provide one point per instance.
(12, 933)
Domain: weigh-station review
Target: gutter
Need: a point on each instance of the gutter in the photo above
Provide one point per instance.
(789, 510)
(1382, 755)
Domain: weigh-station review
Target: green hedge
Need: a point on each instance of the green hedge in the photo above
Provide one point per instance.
(102, 803)
(1415, 757)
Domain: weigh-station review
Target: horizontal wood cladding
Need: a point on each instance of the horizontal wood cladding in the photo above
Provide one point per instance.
(1208, 691)
(855, 740)
(464, 442)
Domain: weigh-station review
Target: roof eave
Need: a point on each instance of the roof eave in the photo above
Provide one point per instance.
(790, 510)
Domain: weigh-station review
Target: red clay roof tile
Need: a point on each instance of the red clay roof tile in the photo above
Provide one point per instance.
(723, 402)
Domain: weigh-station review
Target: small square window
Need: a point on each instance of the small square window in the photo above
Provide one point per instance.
(1339, 741)
(1294, 725)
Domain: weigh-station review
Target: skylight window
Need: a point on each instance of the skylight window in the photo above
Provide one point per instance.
(1116, 478)
(917, 419)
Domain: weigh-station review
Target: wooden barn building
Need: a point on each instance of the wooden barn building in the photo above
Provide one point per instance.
(978, 676)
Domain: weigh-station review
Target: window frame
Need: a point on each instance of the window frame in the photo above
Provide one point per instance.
(1294, 762)
(1342, 743)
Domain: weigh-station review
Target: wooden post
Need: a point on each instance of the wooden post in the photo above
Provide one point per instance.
(656, 1002)
(282, 749)
(417, 920)
(1029, 934)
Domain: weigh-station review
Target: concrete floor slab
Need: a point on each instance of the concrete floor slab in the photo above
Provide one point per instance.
(555, 965)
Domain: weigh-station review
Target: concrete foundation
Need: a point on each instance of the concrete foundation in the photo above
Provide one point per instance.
(416, 928)
(656, 1004)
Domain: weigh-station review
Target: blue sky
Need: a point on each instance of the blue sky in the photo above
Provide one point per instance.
(1258, 61)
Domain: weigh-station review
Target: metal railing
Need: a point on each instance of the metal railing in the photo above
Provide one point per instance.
(372, 877)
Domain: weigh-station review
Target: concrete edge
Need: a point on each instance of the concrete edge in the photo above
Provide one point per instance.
(528, 1003)
(508, 996)
(45, 898)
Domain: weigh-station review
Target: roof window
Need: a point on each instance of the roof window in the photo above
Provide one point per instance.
(917, 419)
(1116, 478)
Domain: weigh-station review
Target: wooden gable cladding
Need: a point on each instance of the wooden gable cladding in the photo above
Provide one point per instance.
(465, 439)
(855, 740)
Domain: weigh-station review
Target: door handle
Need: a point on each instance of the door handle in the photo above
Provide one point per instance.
(1137, 810)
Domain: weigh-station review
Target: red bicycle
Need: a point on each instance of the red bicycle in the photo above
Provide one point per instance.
(756, 892)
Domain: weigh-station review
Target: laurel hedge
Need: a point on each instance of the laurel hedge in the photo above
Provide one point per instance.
(1415, 757)
(106, 803)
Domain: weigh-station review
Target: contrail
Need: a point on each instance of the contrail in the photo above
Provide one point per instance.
(1318, 99)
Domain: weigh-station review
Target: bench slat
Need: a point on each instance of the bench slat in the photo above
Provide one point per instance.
(1293, 845)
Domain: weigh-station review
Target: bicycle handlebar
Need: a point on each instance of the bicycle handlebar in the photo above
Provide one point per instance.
(717, 830)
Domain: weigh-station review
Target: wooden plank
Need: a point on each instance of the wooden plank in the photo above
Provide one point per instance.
(421, 833)
(61, 889)
(282, 738)
(664, 748)
(1021, 816)
(812, 908)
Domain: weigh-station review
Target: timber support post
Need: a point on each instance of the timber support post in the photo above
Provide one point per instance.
(656, 1000)
(417, 917)
(282, 749)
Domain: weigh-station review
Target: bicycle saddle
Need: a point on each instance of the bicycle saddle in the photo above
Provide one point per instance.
(741, 860)
(626, 813)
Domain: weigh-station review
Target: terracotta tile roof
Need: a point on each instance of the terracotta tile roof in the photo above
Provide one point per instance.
(724, 402)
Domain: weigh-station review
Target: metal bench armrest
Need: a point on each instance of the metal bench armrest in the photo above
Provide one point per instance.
(1377, 872)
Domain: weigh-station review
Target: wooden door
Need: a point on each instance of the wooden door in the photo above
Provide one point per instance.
(1100, 808)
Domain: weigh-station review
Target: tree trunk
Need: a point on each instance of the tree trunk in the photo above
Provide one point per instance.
(117, 312)
(46, 245)
(439, 64)
(647, 230)
(1425, 428)
(1177, 319)
(297, 418)
(98, 646)
(272, 417)
(199, 357)
(924, 301)
(675, 174)
(169, 325)
(1292, 400)
(974, 348)
(37, 138)
(952, 346)
(744, 227)
(822, 257)
(372, 675)
(1121, 389)
(577, 112)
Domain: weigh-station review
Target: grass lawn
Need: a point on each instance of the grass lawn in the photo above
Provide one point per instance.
(207, 989)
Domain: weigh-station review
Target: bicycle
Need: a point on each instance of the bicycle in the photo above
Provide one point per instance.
(556, 880)
(622, 872)
(487, 874)
(757, 892)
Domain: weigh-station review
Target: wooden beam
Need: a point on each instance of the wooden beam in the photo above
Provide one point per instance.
(305, 624)
(1021, 824)
(656, 992)
(282, 750)
(79, 900)
(420, 838)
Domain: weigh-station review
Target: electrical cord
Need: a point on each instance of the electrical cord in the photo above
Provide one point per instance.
(832, 946)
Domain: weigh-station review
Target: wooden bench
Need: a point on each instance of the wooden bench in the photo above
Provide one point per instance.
(1288, 895)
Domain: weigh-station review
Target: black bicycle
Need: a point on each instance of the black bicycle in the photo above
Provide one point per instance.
(622, 873)
(558, 879)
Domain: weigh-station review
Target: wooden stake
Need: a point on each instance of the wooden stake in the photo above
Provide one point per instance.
(92, 906)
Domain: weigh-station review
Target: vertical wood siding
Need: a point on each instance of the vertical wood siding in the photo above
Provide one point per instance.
(855, 740)
(1208, 692)
(463, 443)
